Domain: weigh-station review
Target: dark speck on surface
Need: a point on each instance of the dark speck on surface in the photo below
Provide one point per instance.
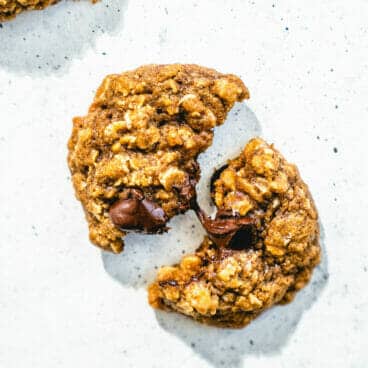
(1, 26)
(251, 342)
(336, 106)
(335, 150)
(35, 233)
(318, 137)
(104, 53)
(192, 344)
(286, 28)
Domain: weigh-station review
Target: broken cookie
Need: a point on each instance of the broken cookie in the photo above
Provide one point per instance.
(133, 157)
(260, 250)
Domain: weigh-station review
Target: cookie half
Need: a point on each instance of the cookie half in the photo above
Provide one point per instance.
(133, 157)
(260, 250)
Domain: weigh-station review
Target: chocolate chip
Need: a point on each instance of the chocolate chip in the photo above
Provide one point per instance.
(138, 214)
(124, 213)
(156, 216)
(242, 239)
(229, 230)
(187, 190)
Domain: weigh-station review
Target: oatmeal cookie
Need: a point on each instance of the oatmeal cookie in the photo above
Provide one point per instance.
(261, 247)
(133, 157)
(10, 8)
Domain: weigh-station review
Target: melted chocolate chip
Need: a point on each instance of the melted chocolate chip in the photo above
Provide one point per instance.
(229, 230)
(124, 213)
(187, 191)
(138, 213)
(242, 239)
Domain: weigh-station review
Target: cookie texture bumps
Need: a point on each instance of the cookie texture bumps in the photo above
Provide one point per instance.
(133, 157)
(10, 8)
(260, 250)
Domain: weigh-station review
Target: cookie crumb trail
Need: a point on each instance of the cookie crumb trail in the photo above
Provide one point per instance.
(230, 286)
(133, 157)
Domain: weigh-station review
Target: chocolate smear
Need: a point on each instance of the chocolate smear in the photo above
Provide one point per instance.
(187, 193)
(138, 213)
(229, 230)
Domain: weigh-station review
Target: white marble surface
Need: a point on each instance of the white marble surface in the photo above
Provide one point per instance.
(63, 303)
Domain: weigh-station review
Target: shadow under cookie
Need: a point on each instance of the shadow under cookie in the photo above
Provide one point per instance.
(266, 335)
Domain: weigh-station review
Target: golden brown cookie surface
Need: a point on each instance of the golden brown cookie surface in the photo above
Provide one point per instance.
(133, 156)
(263, 261)
(10, 8)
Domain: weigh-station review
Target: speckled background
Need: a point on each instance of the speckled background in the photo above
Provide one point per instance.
(64, 303)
